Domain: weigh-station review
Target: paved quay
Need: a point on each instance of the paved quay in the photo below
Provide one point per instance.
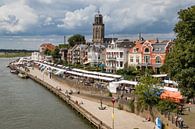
(122, 119)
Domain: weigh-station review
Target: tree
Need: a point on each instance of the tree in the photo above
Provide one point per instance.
(47, 52)
(76, 39)
(180, 62)
(63, 46)
(147, 93)
(128, 73)
(56, 54)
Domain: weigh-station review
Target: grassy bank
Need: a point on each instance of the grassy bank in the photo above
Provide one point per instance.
(14, 54)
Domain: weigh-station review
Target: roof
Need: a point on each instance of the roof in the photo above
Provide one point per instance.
(48, 46)
(159, 47)
(97, 73)
(125, 43)
(137, 46)
(159, 75)
(172, 96)
(127, 82)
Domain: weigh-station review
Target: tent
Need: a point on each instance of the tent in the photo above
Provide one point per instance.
(113, 85)
(172, 96)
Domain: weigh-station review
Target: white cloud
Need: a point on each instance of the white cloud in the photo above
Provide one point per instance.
(123, 14)
(16, 17)
(75, 16)
(78, 17)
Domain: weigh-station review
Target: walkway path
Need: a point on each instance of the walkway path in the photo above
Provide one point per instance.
(189, 116)
(123, 119)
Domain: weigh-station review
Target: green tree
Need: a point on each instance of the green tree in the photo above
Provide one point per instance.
(147, 93)
(63, 46)
(76, 39)
(47, 52)
(56, 55)
(128, 73)
(180, 62)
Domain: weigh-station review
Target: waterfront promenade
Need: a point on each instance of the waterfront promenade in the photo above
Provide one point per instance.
(123, 119)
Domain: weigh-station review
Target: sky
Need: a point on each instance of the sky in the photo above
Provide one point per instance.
(66, 17)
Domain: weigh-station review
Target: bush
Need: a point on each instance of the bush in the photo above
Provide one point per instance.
(166, 105)
(110, 94)
(131, 105)
(120, 106)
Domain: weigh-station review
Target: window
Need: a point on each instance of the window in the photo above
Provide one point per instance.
(137, 59)
(121, 64)
(135, 50)
(131, 59)
(121, 54)
(98, 57)
(146, 59)
(158, 60)
(146, 50)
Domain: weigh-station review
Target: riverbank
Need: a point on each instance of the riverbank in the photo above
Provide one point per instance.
(14, 54)
(123, 119)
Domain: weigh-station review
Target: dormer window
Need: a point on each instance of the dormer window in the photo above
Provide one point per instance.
(135, 50)
(147, 50)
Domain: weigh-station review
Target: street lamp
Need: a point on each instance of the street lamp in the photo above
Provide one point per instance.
(113, 101)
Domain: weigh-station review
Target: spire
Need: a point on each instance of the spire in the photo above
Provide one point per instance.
(140, 36)
(157, 40)
(98, 11)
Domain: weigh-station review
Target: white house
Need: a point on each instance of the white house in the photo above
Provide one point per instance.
(36, 56)
(117, 55)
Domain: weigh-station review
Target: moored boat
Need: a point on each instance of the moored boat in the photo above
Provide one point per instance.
(22, 75)
(14, 71)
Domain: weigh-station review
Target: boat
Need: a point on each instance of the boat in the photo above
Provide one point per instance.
(22, 75)
(14, 71)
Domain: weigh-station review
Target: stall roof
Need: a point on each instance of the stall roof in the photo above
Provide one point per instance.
(159, 75)
(170, 89)
(97, 73)
(171, 82)
(77, 73)
(90, 76)
(127, 82)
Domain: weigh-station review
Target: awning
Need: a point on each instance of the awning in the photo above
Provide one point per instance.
(172, 96)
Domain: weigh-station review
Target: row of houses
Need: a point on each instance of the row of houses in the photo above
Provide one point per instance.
(112, 53)
(119, 54)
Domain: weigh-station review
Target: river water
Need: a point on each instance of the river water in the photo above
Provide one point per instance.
(25, 104)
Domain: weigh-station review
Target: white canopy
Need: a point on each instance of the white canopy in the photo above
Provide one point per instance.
(159, 75)
(171, 82)
(170, 89)
(60, 70)
(127, 82)
(113, 85)
(97, 73)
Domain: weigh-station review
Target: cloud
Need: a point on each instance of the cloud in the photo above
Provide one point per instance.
(16, 17)
(78, 18)
(44, 17)
(127, 15)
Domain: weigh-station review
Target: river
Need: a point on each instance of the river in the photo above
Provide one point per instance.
(24, 104)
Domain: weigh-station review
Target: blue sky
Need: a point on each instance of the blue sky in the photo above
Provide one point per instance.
(65, 17)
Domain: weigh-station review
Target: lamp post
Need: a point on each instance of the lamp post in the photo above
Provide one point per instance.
(113, 101)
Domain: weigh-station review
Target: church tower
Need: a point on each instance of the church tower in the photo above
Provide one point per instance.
(98, 29)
